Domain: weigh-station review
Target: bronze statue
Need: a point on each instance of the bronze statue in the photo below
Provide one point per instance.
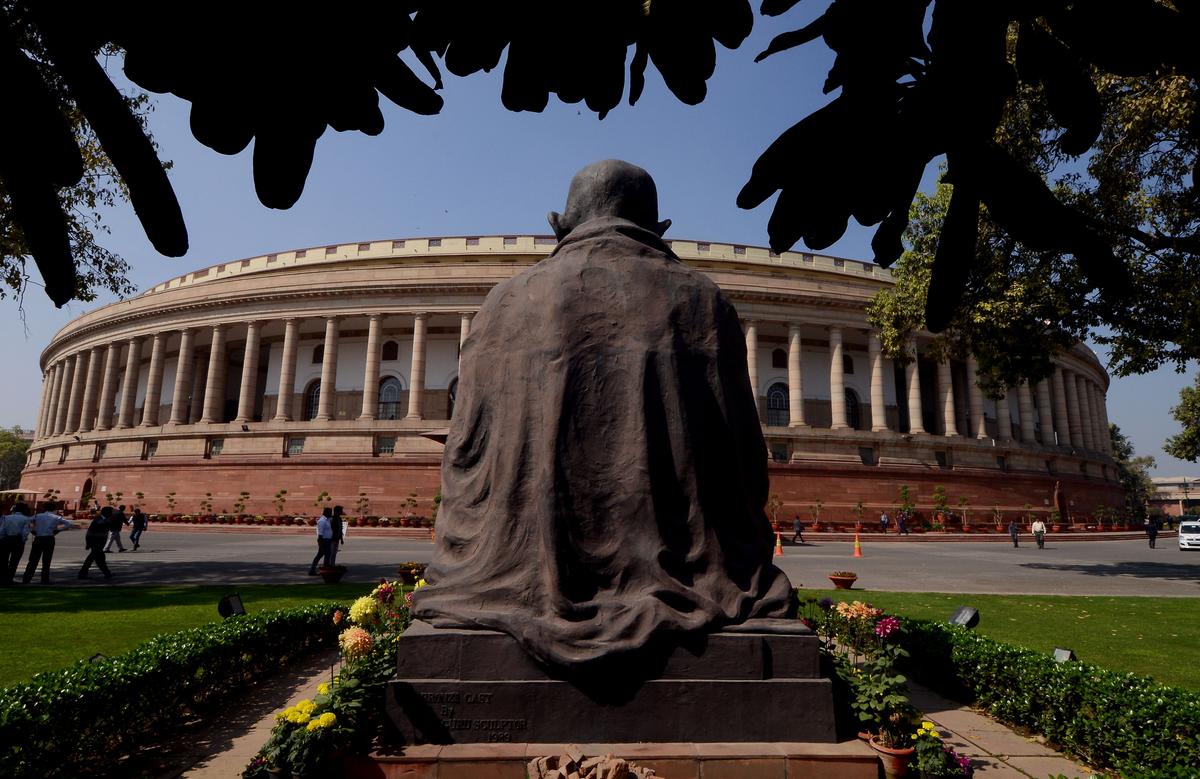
(605, 474)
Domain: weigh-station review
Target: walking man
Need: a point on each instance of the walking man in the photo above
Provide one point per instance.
(324, 540)
(116, 521)
(339, 535)
(46, 525)
(1013, 530)
(97, 532)
(883, 522)
(797, 531)
(13, 532)
(902, 523)
(139, 526)
(1152, 530)
(1039, 533)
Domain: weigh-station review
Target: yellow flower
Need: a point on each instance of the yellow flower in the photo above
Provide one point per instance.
(935, 734)
(323, 688)
(328, 719)
(420, 583)
(364, 611)
(927, 725)
(306, 706)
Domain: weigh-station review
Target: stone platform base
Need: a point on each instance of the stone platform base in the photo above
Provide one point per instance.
(787, 760)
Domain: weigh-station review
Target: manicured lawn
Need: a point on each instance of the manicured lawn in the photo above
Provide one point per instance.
(1154, 637)
(45, 629)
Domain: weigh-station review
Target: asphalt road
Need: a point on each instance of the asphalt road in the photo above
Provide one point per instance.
(1070, 568)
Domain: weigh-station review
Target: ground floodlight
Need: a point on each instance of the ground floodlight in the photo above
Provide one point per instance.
(966, 616)
(97, 657)
(230, 605)
(1063, 655)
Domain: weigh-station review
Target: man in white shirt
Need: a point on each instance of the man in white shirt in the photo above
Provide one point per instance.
(324, 541)
(13, 532)
(46, 525)
(1039, 533)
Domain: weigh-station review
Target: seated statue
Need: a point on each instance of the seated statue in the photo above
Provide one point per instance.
(605, 475)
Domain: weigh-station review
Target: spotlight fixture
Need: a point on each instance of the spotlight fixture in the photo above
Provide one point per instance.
(1063, 655)
(966, 616)
(230, 605)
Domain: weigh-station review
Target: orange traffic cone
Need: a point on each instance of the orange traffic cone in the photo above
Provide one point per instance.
(778, 545)
(857, 546)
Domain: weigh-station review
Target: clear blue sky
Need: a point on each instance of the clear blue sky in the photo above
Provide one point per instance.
(479, 169)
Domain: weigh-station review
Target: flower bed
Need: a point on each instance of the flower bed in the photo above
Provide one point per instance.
(83, 720)
(1110, 719)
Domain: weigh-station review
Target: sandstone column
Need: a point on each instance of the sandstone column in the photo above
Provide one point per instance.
(1062, 425)
(214, 389)
(1102, 408)
(158, 362)
(878, 407)
(87, 417)
(464, 328)
(47, 384)
(752, 358)
(1045, 413)
(1085, 413)
(64, 395)
(287, 371)
(181, 397)
(946, 390)
(975, 399)
(1099, 433)
(108, 391)
(133, 366)
(246, 396)
(795, 379)
(1073, 413)
(416, 387)
(370, 399)
(75, 404)
(328, 398)
(199, 382)
(1003, 418)
(912, 375)
(1025, 411)
(837, 380)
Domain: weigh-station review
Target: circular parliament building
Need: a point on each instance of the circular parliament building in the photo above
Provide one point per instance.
(334, 370)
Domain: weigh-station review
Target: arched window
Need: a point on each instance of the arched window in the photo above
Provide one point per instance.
(853, 410)
(391, 351)
(777, 405)
(847, 364)
(318, 354)
(312, 400)
(779, 358)
(451, 396)
(389, 397)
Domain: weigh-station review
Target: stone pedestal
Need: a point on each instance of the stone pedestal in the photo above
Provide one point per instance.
(757, 682)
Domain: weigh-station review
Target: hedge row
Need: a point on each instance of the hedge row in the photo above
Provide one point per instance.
(1110, 719)
(86, 718)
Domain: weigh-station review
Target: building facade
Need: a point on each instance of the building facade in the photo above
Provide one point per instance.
(334, 370)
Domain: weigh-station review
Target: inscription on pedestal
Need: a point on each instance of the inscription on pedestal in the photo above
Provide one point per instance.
(453, 708)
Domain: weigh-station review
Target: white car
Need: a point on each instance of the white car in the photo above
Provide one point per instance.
(1189, 535)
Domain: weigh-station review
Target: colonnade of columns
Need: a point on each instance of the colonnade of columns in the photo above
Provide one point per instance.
(80, 390)
(1069, 408)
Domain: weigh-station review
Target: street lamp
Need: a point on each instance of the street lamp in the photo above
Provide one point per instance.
(1186, 491)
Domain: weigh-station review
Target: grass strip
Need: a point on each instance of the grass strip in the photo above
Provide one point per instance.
(46, 629)
(1155, 637)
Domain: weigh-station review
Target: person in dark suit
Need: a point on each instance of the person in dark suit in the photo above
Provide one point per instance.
(93, 541)
(339, 534)
(1013, 531)
(139, 526)
(1152, 529)
(117, 521)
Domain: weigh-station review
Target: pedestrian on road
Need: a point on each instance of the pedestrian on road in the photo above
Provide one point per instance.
(902, 523)
(339, 534)
(1039, 533)
(138, 523)
(97, 532)
(324, 540)
(797, 531)
(883, 522)
(46, 526)
(116, 521)
(1152, 530)
(1013, 530)
(13, 532)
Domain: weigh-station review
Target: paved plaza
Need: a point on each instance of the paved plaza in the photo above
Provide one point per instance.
(1126, 567)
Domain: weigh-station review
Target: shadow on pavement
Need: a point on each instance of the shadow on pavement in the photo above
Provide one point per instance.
(1187, 572)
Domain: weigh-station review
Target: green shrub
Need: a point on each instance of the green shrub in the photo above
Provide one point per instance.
(84, 719)
(1110, 719)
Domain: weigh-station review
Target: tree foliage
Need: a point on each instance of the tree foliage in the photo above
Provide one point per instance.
(12, 457)
(1133, 471)
(1185, 445)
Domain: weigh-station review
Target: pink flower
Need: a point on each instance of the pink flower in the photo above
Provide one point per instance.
(886, 626)
(355, 643)
(338, 617)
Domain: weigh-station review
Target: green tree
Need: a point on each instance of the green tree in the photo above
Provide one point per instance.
(1133, 472)
(12, 457)
(1185, 445)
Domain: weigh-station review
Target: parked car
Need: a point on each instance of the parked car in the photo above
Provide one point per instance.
(1189, 533)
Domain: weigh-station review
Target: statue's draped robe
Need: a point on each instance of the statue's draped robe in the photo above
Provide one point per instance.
(605, 472)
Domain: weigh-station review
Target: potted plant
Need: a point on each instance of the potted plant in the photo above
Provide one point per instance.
(859, 510)
(881, 701)
(362, 506)
(998, 519)
(965, 506)
(815, 511)
(280, 500)
(843, 580)
(940, 504)
(410, 572)
(332, 574)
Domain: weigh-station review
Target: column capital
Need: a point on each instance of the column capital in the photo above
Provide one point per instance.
(421, 315)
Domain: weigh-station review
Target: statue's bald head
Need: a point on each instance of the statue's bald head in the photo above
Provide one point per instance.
(610, 188)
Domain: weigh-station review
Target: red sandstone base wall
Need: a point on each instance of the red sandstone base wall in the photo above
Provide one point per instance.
(388, 482)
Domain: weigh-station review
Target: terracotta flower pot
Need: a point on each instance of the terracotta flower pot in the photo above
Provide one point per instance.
(896, 762)
(332, 574)
(843, 582)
